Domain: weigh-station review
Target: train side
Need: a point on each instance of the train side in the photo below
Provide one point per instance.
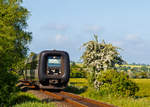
(48, 70)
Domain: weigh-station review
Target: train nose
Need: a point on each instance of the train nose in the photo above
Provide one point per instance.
(53, 81)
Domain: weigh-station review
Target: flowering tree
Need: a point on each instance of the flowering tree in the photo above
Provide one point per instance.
(100, 60)
(100, 56)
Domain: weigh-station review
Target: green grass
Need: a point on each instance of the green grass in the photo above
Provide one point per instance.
(24, 99)
(34, 104)
(144, 85)
(126, 102)
(142, 98)
(78, 82)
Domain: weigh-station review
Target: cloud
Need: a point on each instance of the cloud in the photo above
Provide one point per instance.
(60, 38)
(118, 43)
(133, 38)
(93, 28)
(55, 27)
(134, 41)
(135, 48)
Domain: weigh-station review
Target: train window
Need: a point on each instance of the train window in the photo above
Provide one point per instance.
(54, 61)
(54, 65)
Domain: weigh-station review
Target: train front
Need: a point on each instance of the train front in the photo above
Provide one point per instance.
(54, 69)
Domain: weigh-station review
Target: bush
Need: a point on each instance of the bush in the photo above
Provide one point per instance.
(115, 83)
(7, 87)
(77, 72)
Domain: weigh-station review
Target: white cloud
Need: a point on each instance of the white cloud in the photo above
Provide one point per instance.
(93, 28)
(60, 38)
(55, 27)
(133, 40)
(132, 37)
(117, 43)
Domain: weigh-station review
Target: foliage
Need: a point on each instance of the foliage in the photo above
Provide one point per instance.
(140, 100)
(77, 72)
(100, 56)
(13, 36)
(111, 82)
(7, 87)
(135, 71)
(13, 45)
(116, 83)
(73, 63)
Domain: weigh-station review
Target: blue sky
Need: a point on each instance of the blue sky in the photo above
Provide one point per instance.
(67, 24)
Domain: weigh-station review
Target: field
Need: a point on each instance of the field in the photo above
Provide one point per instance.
(142, 98)
(144, 85)
(132, 66)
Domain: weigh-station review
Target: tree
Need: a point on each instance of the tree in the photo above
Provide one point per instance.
(13, 35)
(14, 39)
(100, 60)
(100, 56)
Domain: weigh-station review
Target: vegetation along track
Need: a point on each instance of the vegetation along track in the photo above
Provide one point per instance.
(75, 100)
(72, 99)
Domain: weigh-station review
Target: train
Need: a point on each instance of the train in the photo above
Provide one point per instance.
(48, 70)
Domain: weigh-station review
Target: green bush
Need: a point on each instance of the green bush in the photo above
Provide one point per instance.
(115, 83)
(7, 87)
(77, 72)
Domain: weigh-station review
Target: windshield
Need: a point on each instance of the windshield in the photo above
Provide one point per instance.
(54, 61)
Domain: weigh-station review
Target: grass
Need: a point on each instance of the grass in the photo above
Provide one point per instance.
(34, 104)
(142, 98)
(24, 99)
(78, 82)
(144, 85)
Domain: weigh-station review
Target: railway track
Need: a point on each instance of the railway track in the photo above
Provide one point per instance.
(73, 99)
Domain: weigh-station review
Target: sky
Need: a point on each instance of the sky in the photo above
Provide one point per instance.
(67, 24)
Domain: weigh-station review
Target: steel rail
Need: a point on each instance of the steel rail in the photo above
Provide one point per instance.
(60, 98)
(101, 104)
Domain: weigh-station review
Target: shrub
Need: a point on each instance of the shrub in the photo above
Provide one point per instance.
(77, 72)
(116, 83)
(7, 87)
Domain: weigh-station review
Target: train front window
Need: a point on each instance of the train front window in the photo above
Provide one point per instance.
(54, 61)
(54, 65)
